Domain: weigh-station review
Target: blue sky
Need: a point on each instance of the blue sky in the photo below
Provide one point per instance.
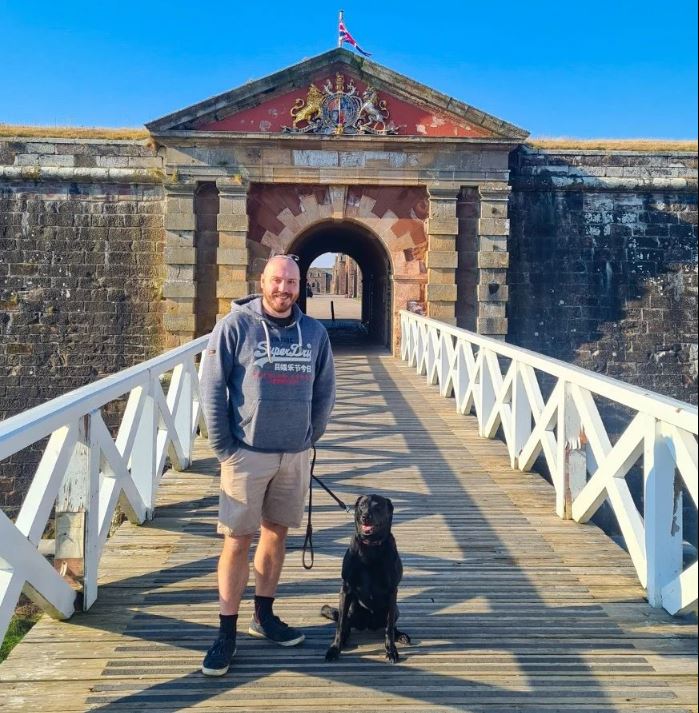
(613, 69)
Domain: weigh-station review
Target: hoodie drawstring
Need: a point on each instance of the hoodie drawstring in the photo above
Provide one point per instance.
(269, 348)
(268, 341)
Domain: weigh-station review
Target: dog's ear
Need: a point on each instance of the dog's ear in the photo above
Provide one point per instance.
(356, 502)
(390, 505)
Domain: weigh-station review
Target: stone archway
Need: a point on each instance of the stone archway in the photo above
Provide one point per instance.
(373, 260)
(437, 172)
(382, 227)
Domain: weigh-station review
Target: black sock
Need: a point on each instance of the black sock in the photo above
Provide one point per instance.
(263, 607)
(227, 625)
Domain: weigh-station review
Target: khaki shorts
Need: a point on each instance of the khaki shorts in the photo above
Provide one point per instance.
(255, 486)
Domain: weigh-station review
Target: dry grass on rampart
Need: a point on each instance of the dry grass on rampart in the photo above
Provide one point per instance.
(71, 132)
(650, 145)
(135, 134)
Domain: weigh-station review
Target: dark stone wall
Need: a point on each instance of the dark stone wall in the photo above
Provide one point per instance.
(206, 208)
(467, 273)
(80, 275)
(603, 267)
(603, 263)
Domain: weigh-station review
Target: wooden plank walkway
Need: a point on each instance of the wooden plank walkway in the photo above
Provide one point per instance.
(510, 608)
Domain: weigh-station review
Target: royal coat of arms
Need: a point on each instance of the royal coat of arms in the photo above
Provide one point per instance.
(341, 110)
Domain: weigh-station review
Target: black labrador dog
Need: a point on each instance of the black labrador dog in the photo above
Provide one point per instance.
(371, 572)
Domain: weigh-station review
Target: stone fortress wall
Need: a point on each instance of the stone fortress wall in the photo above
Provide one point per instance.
(81, 245)
(601, 265)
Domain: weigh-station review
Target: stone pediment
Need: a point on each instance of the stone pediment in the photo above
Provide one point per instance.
(316, 89)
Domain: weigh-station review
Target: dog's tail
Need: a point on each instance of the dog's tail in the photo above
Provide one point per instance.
(330, 612)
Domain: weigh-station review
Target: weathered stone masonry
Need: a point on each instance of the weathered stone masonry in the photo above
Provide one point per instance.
(600, 262)
(81, 242)
(603, 263)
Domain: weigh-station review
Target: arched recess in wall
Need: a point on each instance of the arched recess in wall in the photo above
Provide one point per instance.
(206, 208)
(369, 253)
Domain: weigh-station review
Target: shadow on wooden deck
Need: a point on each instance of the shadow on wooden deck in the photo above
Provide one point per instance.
(509, 607)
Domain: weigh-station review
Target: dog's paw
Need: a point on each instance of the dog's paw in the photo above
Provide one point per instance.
(333, 653)
(329, 612)
(392, 654)
(402, 637)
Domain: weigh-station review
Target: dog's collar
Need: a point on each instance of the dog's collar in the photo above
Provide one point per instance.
(370, 543)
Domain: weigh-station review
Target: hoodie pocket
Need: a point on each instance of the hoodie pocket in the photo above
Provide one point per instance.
(279, 425)
(251, 414)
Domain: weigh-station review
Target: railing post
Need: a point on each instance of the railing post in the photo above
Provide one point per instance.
(662, 512)
(571, 457)
(521, 416)
(421, 352)
(143, 454)
(403, 339)
(413, 355)
(446, 352)
(432, 356)
(183, 415)
(486, 399)
(77, 516)
(197, 405)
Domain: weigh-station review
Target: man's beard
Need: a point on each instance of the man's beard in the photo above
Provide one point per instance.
(285, 295)
(281, 301)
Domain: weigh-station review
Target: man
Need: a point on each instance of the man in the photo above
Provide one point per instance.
(268, 389)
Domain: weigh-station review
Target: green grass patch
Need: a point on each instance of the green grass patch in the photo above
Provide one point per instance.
(24, 619)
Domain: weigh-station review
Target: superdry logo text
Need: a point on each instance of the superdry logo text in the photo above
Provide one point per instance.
(287, 357)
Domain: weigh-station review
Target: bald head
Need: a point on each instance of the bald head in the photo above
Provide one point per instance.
(280, 284)
(281, 262)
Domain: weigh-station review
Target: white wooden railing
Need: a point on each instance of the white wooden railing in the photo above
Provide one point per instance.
(500, 383)
(84, 474)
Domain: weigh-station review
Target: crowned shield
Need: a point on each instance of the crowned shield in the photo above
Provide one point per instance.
(340, 110)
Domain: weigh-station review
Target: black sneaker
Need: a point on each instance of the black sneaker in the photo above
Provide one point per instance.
(276, 630)
(218, 657)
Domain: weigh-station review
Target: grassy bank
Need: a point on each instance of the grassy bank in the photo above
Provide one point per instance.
(25, 617)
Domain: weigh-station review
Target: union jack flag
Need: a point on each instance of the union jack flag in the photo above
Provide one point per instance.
(346, 37)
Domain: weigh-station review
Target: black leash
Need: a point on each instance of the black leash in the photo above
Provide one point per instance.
(308, 542)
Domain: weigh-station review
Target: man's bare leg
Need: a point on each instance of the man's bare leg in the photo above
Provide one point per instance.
(233, 572)
(269, 558)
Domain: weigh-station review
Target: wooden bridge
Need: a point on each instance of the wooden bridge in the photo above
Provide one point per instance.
(510, 607)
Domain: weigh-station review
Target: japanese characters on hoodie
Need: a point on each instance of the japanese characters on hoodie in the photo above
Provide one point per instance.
(265, 387)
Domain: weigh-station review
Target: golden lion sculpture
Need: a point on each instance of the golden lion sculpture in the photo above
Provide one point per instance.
(312, 108)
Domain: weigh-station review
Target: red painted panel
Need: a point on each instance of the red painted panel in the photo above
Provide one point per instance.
(272, 115)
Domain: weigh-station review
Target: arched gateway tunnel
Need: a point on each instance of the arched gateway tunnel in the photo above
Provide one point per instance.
(338, 155)
(382, 229)
(373, 262)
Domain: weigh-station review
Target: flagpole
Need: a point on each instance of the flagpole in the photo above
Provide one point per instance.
(339, 36)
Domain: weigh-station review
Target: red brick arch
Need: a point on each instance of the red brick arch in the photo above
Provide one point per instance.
(396, 215)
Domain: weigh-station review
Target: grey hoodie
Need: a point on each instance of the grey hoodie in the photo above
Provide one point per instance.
(264, 387)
